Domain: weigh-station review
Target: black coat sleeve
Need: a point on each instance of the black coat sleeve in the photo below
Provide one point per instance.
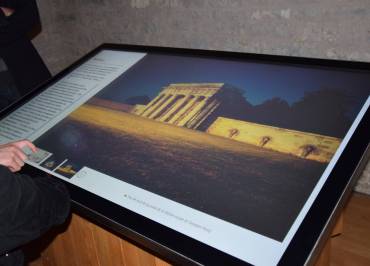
(29, 207)
(18, 25)
(23, 61)
(3, 20)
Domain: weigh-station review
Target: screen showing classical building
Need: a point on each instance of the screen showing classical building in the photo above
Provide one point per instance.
(207, 147)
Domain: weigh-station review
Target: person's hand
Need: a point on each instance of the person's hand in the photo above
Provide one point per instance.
(7, 11)
(12, 155)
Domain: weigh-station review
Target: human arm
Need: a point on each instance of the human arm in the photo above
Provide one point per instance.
(23, 18)
(7, 11)
(12, 155)
(29, 207)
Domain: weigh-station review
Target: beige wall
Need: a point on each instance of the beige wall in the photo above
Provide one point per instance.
(337, 29)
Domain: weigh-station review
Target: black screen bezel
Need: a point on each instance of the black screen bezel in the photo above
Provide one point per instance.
(180, 249)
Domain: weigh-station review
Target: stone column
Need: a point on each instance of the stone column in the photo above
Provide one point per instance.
(174, 109)
(153, 104)
(180, 118)
(188, 120)
(160, 108)
(169, 108)
(206, 112)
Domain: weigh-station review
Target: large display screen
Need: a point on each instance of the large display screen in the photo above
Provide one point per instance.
(229, 152)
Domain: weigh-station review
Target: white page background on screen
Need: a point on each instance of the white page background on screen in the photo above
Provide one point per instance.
(45, 110)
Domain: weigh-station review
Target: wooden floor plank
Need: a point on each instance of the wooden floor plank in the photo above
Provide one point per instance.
(107, 245)
(352, 247)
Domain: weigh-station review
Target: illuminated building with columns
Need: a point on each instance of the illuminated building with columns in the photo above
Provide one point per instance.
(219, 109)
(192, 105)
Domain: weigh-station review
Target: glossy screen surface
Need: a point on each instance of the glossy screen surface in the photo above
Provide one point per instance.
(229, 152)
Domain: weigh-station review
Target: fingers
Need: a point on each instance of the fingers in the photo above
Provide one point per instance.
(7, 11)
(25, 143)
(15, 164)
(12, 156)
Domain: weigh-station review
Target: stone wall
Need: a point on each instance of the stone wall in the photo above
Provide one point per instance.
(297, 143)
(337, 29)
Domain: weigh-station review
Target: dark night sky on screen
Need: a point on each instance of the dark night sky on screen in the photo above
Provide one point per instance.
(259, 82)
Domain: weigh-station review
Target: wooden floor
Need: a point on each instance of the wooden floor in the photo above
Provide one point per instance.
(87, 244)
(352, 247)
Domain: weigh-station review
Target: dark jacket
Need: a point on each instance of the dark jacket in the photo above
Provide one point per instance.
(23, 62)
(29, 207)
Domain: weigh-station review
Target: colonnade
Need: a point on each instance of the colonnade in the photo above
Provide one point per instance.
(183, 104)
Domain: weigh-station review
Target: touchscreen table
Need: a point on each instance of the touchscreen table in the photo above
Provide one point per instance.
(217, 157)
